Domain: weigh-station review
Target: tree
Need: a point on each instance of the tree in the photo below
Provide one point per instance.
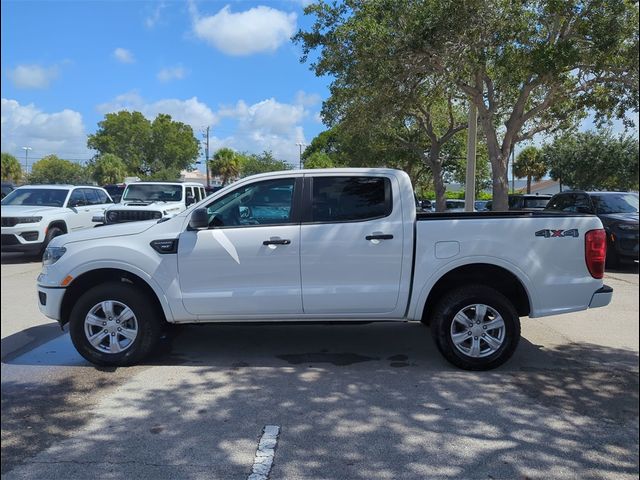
(595, 160)
(371, 91)
(528, 67)
(126, 135)
(319, 160)
(172, 147)
(163, 147)
(11, 169)
(225, 164)
(108, 168)
(530, 164)
(51, 169)
(252, 164)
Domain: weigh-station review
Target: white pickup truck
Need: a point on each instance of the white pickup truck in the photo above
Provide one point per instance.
(340, 245)
(152, 201)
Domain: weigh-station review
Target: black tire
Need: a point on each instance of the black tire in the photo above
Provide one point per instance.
(52, 233)
(457, 300)
(150, 324)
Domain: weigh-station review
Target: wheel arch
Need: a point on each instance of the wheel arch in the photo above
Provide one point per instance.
(58, 223)
(92, 278)
(490, 275)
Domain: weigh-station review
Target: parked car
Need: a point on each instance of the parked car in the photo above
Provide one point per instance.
(480, 205)
(351, 248)
(33, 215)
(152, 201)
(211, 190)
(115, 190)
(618, 212)
(7, 188)
(526, 201)
(455, 205)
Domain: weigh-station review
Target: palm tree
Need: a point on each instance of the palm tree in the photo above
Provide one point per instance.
(225, 164)
(530, 164)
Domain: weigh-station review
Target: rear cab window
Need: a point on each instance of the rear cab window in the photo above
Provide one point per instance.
(350, 199)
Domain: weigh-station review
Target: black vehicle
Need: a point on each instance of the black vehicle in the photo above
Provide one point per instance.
(115, 191)
(212, 190)
(525, 201)
(7, 188)
(618, 212)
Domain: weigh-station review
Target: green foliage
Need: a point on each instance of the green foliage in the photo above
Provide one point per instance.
(226, 164)
(252, 164)
(529, 67)
(51, 169)
(162, 148)
(530, 164)
(319, 160)
(108, 168)
(11, 169)
(594, 160)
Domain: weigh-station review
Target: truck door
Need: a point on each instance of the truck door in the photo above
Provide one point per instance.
(352, 242)
(248, 261)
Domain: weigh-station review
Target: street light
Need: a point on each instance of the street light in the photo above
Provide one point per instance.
(26, 158)
(301, 145)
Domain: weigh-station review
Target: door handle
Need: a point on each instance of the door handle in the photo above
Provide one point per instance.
(382, 236)
(277, 241)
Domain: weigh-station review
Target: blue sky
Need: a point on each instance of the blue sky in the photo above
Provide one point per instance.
(229, 65)
(226, 64)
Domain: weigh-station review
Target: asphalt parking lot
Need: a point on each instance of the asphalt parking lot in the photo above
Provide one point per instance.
(372, 401)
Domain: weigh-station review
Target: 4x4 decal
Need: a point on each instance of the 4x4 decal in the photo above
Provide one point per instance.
(557, 233)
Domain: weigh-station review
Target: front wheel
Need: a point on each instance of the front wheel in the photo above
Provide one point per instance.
(476, 327)
(114, 325)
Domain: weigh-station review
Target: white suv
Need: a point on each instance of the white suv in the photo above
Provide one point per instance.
(153, 200)
(34, 214)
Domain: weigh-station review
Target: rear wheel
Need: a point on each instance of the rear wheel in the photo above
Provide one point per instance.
(475, 327)
(114, 324)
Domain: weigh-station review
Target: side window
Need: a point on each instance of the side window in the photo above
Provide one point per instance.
(583, 204)
(196, 194)
(77, 198)
(345, 199)
(262, 203)
(91, 196)
(188, 193)
(201, 193)
(102, 197)
(560, 203)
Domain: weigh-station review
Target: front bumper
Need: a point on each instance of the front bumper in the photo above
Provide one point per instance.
(50, 301)
(601, 297)
(25, 237)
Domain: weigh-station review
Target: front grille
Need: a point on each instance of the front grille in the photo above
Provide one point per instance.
(9, 221)
(9, 240)
(121, 216)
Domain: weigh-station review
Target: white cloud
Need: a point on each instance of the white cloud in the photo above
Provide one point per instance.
(171, 73)
(32, 76)
(190, 111)
(61, 133)
(259, 29)
(123, 55)
(153, 19)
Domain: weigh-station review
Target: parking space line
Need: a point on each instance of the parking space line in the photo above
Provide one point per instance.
(264, 454)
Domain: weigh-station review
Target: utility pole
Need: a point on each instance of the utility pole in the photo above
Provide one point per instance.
(301, 145)
(206, 155)
(26, 158)
(470, 181)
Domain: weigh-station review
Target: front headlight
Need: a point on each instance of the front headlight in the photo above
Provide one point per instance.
(628, 226)
(29, 219)
(52, 255)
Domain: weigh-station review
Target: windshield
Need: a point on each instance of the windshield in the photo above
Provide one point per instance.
(36, 197)
(153, 193)
(618, 203)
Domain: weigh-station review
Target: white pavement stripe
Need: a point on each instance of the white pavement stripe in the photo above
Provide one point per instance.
(264, 455)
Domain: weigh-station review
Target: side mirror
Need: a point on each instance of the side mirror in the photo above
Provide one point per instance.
(199, 219)
(190, 200)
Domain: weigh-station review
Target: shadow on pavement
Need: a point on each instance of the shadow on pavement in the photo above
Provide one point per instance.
(357, 402)
(8, 258)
